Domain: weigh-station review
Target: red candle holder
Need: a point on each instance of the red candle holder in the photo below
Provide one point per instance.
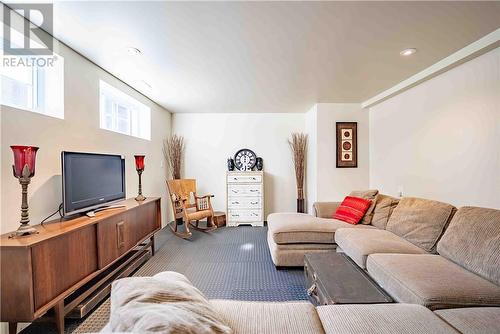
(139, 167)
(24, 169)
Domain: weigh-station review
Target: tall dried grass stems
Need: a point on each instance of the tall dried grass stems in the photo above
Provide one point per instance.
(173, 148)
(298, 145)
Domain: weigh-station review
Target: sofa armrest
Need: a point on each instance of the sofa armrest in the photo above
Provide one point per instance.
(325, 209)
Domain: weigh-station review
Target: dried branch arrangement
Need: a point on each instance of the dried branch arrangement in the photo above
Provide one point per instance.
(298, 145)
(173, 148)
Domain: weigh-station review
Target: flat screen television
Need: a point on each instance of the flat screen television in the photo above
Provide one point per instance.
(91, 181)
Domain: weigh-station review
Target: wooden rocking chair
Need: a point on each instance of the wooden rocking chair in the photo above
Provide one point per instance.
(180, 195)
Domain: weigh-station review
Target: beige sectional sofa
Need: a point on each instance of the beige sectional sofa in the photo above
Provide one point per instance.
(168, 303)
(303, 318)
(359, 245)
(414, 227)
(426, 252)
(291, 235)
(441, 265)
(465, 272)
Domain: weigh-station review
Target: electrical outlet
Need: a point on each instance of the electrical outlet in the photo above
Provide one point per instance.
(400, 191)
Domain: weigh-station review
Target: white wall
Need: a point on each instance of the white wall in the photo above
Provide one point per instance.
(212, 138)
(325, 181)
(79, 131)
(311, 128)
(441, 139)
(335, 183)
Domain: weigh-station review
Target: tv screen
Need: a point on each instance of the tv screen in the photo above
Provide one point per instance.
(91, 180)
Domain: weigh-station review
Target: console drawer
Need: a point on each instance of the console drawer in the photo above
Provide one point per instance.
(244, 190)
(244, 178)
(244, 215)
(244, 202)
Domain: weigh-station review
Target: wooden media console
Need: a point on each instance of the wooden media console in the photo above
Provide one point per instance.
(63, 269)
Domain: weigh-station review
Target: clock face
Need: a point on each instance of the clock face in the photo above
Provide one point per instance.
(245, 159)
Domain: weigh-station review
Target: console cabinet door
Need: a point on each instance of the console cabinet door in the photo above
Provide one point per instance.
(111, 239)
(61, 262)
(147, 223)
(17, 284)
(120, 233)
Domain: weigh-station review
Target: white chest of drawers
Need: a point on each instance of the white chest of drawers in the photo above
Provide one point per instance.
(245, 198)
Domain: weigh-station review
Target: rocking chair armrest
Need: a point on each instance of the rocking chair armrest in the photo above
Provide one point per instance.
(203, 202)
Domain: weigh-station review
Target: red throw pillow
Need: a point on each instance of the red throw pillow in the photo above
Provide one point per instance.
(352, 209)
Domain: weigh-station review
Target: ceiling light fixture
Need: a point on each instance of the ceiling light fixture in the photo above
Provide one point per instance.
(133, 51)
(408, 52)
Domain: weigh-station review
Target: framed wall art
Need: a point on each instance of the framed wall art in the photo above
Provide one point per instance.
(347, 144)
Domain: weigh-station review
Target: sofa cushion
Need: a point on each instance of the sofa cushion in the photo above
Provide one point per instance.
(431, 281)
(352, 209)
(289, 228)
(381, 319)
(420, 221)
(269, 318)
(384, 206)
(325, 209)
(473, 241)
(370, 194)
(292, 255)
(166, 303)
(359, 243)
(473, 320)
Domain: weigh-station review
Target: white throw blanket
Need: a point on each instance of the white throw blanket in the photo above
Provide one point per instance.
(165, 303)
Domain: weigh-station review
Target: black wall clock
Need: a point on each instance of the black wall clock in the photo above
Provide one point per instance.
(245, 159)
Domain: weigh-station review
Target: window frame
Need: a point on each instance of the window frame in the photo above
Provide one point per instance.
(39, 90)
(138, 118)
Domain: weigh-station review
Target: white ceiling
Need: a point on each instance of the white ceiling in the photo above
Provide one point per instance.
(268, 56)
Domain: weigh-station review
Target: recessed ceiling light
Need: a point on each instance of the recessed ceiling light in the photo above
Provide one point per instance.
(133, 51)
(408, 52)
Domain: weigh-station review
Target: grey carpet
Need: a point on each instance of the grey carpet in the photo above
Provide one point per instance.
(228, 263)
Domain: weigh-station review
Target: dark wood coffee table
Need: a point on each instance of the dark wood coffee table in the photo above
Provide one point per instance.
(333, 278)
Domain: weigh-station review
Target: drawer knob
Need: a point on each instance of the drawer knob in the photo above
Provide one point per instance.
(235, 202)
(254, 202)
(253, 190)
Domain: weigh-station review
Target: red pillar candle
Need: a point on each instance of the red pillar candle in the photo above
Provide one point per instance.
(24, 170)
(139, 166)
(139, 162)
(24, 155)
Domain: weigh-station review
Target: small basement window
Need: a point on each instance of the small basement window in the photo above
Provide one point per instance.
(31, 82)
(122, 113)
